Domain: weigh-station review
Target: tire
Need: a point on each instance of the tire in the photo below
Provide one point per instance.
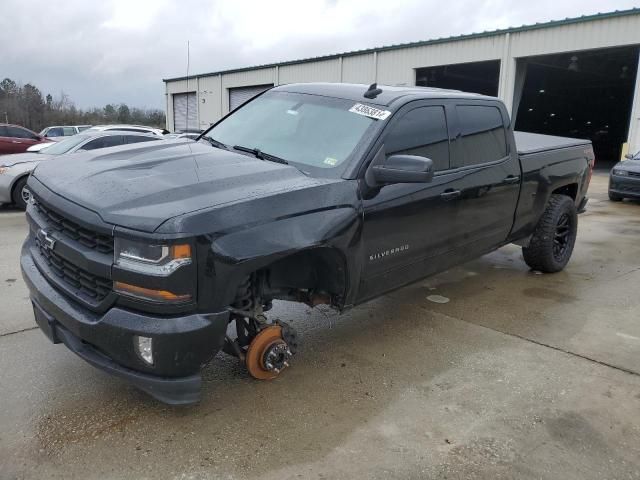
(554, 237)
(614, 198)
(21, 193)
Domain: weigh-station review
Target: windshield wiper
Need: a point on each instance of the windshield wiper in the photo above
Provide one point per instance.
(260, 154)
(215, 143)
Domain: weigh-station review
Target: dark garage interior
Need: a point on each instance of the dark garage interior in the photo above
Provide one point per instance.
(477, 77)
(586, 94)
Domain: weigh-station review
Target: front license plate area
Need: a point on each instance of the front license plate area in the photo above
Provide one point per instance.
(46, 323)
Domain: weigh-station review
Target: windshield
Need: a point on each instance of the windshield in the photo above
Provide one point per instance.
(63, 146)
(312, 132)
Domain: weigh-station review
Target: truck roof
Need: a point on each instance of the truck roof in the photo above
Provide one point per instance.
(390, 94)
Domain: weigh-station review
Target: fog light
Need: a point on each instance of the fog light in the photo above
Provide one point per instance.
(144, 346)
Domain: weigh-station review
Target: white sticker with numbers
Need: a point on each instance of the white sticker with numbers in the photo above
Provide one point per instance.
(370, 112)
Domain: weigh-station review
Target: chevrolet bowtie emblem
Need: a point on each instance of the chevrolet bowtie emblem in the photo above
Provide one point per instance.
(46, 241)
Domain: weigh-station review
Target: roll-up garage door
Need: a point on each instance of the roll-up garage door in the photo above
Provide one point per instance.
(237, 96)
(185, 111)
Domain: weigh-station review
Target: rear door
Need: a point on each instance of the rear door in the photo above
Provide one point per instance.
(488, 185)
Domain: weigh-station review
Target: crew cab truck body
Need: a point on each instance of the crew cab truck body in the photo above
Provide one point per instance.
(147, 261)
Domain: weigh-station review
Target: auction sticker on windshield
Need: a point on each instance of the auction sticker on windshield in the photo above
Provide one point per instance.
(370, 112)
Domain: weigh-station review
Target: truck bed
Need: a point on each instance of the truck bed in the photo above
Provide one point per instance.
(528, 143)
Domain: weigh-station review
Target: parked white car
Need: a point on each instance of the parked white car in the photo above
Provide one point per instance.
(58, 132)
(15, 169)
(129, 128)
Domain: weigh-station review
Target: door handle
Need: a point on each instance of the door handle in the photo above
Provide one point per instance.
(450, 195)
(511, 179)
(15, 141)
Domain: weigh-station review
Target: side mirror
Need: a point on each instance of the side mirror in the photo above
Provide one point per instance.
(404, 169)
(628, 156)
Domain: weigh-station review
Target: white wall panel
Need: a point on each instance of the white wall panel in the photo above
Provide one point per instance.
(358, 69)
(320, 71)
(397, 67)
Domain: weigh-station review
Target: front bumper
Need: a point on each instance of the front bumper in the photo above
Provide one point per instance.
(181, 345)
(624, 186)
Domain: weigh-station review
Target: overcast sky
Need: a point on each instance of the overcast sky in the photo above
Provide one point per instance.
(120, 50)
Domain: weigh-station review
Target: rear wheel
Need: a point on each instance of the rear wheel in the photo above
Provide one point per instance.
(21, 194)
(614, 198)
(553, 239)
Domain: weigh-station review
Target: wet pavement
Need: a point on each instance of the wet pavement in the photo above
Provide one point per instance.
(486, 371)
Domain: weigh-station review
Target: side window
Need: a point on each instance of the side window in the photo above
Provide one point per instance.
(16, 132)
(55, 132)
(421, 131)
(483, 134)
(138, 139)
(68, 131)
(3, 131)
(103, 142)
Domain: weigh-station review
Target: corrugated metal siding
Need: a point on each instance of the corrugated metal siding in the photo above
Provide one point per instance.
(396, 67)
(324, 71)
(249, 78)
(185, 111)
(578, 36)
(358, 69)
(179, 86)
(237, 96)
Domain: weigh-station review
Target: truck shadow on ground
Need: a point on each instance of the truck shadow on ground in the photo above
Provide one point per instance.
(349, 369)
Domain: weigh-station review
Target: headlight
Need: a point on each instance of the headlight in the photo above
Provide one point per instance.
(621, 173)
(150, 259)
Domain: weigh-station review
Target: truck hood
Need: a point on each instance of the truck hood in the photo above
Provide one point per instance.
(143, 186)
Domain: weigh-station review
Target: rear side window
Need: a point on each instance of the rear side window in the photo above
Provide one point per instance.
(483, 135)
(16, 132)
(3, 131)
(103, 142)
(423, 132)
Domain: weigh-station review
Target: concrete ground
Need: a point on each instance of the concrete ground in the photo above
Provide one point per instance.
(518, 375)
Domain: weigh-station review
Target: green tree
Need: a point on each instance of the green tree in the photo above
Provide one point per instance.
(123, 114)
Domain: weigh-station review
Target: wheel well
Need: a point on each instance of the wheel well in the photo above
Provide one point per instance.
(15, 185)
(313, 271)
(570, 190)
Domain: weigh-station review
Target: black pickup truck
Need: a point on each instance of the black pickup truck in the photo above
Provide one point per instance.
(146, 261)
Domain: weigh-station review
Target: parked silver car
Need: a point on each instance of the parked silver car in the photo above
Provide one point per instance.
(15, 169)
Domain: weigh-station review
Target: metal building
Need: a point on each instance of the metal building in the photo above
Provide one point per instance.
(574, 77)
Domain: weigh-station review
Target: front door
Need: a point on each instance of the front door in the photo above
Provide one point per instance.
(408, 228)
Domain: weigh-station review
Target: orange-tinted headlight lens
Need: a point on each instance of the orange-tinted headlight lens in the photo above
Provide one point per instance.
(163, 296)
